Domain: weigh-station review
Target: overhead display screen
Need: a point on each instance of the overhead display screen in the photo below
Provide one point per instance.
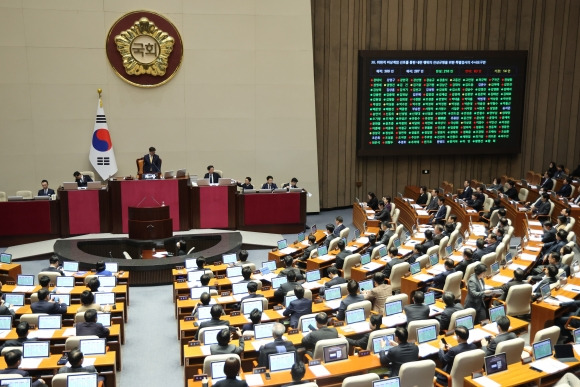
(440, 102)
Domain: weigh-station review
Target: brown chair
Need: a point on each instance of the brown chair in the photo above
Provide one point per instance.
(139, 163)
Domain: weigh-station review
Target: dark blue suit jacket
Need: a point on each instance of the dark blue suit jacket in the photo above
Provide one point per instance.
(149, 167)
(49, 192)
(48, 307)
(565, 190)
(440, 215)
(466, 194)
(272, 186)
(298, 308)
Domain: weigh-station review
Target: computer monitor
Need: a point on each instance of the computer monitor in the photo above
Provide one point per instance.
(18, 382)
(51, 321)
(448, 250)
(332, 294)
(397, 243)
(322, 250)
(60, 298)
(5, 258)
(198, 291)
(93, 346)
(240, 288)
(495, 363)
(82, 380)
(277, 281)
(433, 259)
(195, 275)
(288, 300)
(393, 307)
(390, 382)
(465, 321)
(235, 271)
(312, 275)
(204, 312)
(415, 268)
(107, 281)
(429, 298)
(217, 370)
(263, 331)
(576, 334)
(229, 258)
(508, 258)
(281, 361)
(270, 265)
(545, 291)
(66, 282)
(494, 268)
(104, 318)
(459, 243)
(333, 353)
(282, 244)
(113, 267)
(14, 299)
(35, 349)
(25, 280)
(248, 306)
(377, 340)
(105, 298)
(354, 316)
(70, 266)
(356, 233)
(365, 285)
(300, 236)
(306, 323)
(210, 335)
(191, 263)
(496, 312)
(426, 334)
(542, 349)
(264, 271)
(383, 251)
(5, 323)
(365, 258)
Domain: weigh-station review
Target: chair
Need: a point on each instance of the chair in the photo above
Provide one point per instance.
(344, 233)
(24, 194)
(33, 298)
(487, 204)
(488, 260)
(60, 380)
(447, 213)
(127, 255)
(366, 304)
(139, 163)
(571, 236)
(88, 278)
(453, 237)
(74, 341)
(333, 244)
(401, 296)
(391, 241)
(459, 314)
(469, 271)
(219, 172)
(567, 259)
(442, 245)
(364, 380)
(375, 252)
(513, 349)
(399, 230)
(380, 332)
(90, 173)
(299, 326)
(423, 260)
(3, 197)
(544, 218)
(494, 219)
(265, 300)
(318, 348)
(212, 358)
(396, 274)
(343, 288)
(50, 274)
(393, 208)
(349, 262)
(32, 318)
(551, 333)
(432, 250)
(523, 195)
(568, 227)
(414, 325)
(417, 373)
(452, 284)
(464, 365)
(518, 299)
(313, 253)
(395, 216)
(501, 249)
(568, 380)
(428, 198)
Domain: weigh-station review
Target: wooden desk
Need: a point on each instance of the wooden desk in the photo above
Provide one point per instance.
(408, 215)
(10, 270)
(283, 212)
(29, 221)
(84, 212)
(277, 255)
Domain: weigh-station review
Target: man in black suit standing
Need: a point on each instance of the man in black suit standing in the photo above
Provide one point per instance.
(417, 310)
(45, 191)
(90, 326)
(275, 346)
(322, 332)
(213, 177)
(450, 307)
(151, 162)
(503, 326)
(447, 355)
(82, 180)
(299, 307)
(400, 352)
(269, 184)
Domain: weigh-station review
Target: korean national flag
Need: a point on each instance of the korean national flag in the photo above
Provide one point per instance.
(101, 155)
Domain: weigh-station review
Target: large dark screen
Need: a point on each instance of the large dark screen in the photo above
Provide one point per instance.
(440, 102)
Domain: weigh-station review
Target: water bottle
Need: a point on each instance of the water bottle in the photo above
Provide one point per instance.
(163, 203)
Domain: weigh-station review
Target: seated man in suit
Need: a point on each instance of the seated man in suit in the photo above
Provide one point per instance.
(216, 312)
(395, 260)
(45, 306)
(491, 243)
(379, 293)
(386, 233)
(467, 191)
(351, 298)
(90, 326)
(298, 307)
(340, 257)
(467, 260)
(451, 306)
(549, 234)
(13, 359)
(550, 277)
(288, 261)
(480, 250)
(45, 191)
(439, 280)
(329, 232)
(255, 319)
(252, 289)
(542, 205)
(519, 279)
(247, 183)
(292, 183)
(375, 322)
(223, 345)
(53, 265)
(279, 345)
(213, 176)
(503, 326)
(433, 205)
(566, 190)
(22, 332)
(339, 226)
(417, 310)
(428, 240)
(561, 240)
(401, 352)
(151, 162)
(476, 201)
(82, 180)
(447, 354)
(204, 300)
(560, 171)
(321, 332)
(335, 279)
(312, 246)
(422, 199)
(512, 192)
(383, 214)
(280, 293)
(75, 358)
(269, 184)
(546, 184)
(439, 216)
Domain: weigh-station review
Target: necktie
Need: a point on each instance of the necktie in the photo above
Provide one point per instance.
(269, 186)
(46, 192)
(211, 178)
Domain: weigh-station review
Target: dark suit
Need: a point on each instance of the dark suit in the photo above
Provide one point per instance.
(445, 316)
(231, 383)
(14, 343)
(335, 281)
(271, 186)
(337, 230)
(478, 254)
(252, 295)
(280, 293)
(545, 281)
(448, 358)
(565, 190)
(416, 312)
(386, 237)
(297, 309)
(216, 349)
(373, 203)
(549, 235)
(476, 204)
(339, 260)
(309, 341)
(390, 265)
(433, 204)
(422, 199)
(346, 301)
(273, 347)
(439, 279)
(151, 167)
(399, 355)
(440, 215)
(85, 180)
(92, 328)
(54, 269)
(48, 192)
(284, 272)
(24, 374)
(506, 288)
(492, 345)
(543, 208)
(428, 243)
(466, 194)
(48, 307)
(210, 323)
(547, 184)
(462, 266)
(214, 178)
(475, 297)
(245, 186)
(385, 215)
(512, 193)
(307, 252)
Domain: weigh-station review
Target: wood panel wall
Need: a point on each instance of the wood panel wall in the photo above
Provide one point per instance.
(548, 29)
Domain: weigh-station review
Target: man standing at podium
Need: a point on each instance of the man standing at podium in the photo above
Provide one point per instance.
(213, 177)
(151, 162)
(45, 191)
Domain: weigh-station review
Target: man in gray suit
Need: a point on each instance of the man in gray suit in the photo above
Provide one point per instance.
(276, 346)
(223, 346)
(417, 310)
(352, 297)
(322, 332)
(503, 325)
(400, 352)
(387, 233)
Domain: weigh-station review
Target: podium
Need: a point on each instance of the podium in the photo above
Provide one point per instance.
(150, 223)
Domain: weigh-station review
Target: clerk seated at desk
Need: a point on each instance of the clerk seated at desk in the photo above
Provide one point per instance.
(335, 279)
(75, 358)
(247, 183)
(351, 298)
(269, 184)
(151, 162)
(292, 183)
(213, 177)
(400, 352)
(82, 180)
(45, 191)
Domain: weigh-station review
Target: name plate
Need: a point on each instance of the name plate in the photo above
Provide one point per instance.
(225, 294)
(265, 288)
(235, 313)
(313, 363)
(259, 370)
(217, 263)
(292, 331)
(194, 343)
(199, 378)
(339, 323)
(183, 298)
(277, 307)
(220, 276)
(188, 318)
(364, 353)
(318, 300)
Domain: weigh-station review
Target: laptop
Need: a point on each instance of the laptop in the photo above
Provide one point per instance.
(5, 258)
(105, 319)
(210, 335)
(542, 349)
(355, 318)
(270, 265)
(496, 363)
(66, 282)
(494, 268)
(397, 243)
(168, 174)
(277, 281)
(240, 288)
(322, 250)
(248, 306)
(94, 185)
(465, 321)
(25, 280)
(282, 244)
(204, 313)
(198, 291)
(195, 275)
(68, 185)
(415, 268)
(433, 259)
(546, 291)
(576, 334)
(108, 281)
(229, 258)
(5, 323)
(217, 370)
(333, 297)
(448, 250)
(263, 331)
(508, 258)
(458, 243)
(301, 236)
(70, 266)
(365, 258)
(312, 275)
(202, 182)
(224, 181)
(61, 298)
(334, 353)
(288, 300)
(366, 285)
(430, 301)
(180, 173)
(235, 271)
(426, 334)
(83, 380)
(390, 382)
(313, 229)
(281, 361)
(383, 251)
(19, 382)
(306, 323)
(377, 343)
(93, 346)
(496, 312)
(51, 321)
(356, 233)
(113, 267)
(35, 350)
(394, 313)
(564, 352)
(14, 299)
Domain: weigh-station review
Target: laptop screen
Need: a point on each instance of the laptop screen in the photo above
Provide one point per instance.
(282, 244)
(355, 315)
(217, 370)
(545, 290)
(83, 380)
(335, 353)
(70, 266)
(52, 321)
(322, 250)
(332, 294)
(313, 229)
(105, 298)
(35, 349)
(426, 334)
(61, 298)
(263, 331)
(210, 335)
(5, 323)
(16, 299)
(300, 236)
(383, 251)
(229, 258)
(365, 258)
(25, 280)
(577, 336)
(366, 285)
(393, 307)
(415, 267)
(542, 349)
(356, 233)
(448, 250)
(496, 312)
(459, 243)
(397, 243)
(5, 258)
(495, 267)
(270, 265)
(240, 288)
(204, 312)
(277, 281)
(93, 346)
(248, 306)
(390, 382)
(113, 267)
(265, 271)
(288, 300)
(68, 282)
(508, 258)
(433, 259)
(429, 298)
(495, 363)
(104, 318)
(377, 347)
(466, 321)
(235, 271)
(195, 275)
(306, 322)
(281, 361)
(191, 263)
(197, 292)
(108, 281)
(312, 276)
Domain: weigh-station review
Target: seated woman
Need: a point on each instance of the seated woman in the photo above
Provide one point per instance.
(231, 370)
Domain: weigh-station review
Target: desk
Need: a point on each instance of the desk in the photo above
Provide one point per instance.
(282, 213)
(408, 216)
(84, 212)
(213, 207)
(10, 271)
(29, 221)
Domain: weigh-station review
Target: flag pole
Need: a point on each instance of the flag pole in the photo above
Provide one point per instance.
(100, 101)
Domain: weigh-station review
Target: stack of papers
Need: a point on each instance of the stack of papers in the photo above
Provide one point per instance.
(423, 277)
(334, 304)
(312, 285)
(563, 298)
(515, 266)
(350, 248)
(528, 257)
(288, 250)
(326, 257)
(491, 328)
(396, 319)
(359, 327)
(363, 240)
(372, 266)
(535, 223)
(501, 278)
(486, 382)
(426, 349)
(319, 371)
(422, 213)
(477, 334)
(549, 365)
(254, 379)
(24, 289)
(572, 288)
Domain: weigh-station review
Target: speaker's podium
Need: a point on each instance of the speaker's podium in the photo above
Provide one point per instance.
(150, 223)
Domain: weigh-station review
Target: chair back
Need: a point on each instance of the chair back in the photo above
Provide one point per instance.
(567, 259)
(423, 260)
(74, 341)
(551, 333)
(366, 304)
(343, 288)
(552, 205)
(459, 314)
(571, 236)
(211, 358)
(513, 349)
(299, 326)
(414, 325)
(33, 298)
(391, 241)
(313, 253)
(364, 380)
(399, 230)
(139, 163)
(50, 274)
(320, 344)
(32, 318)
(395, 215)
(307, 294)
(375, 252)
(333, 244)
(432, 250)
(453, 284)
(265, 300)
(377, 333)
(465, 364)
(3, 196)
(89, 277)
(219, 172)
(453, 237)
(428, 198)
(25, 194)
(501, 248)
(397, 273)
(393, 208)
(494, 218)
(487, 204)
(523, 195)
(488, 260)
(401, 296)
(201, 334)
(442, 245)
(571, 222)
(344, 233)
(349, 262)
(518, 300)
(417, 373)
(448, 212)
(90, 173)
